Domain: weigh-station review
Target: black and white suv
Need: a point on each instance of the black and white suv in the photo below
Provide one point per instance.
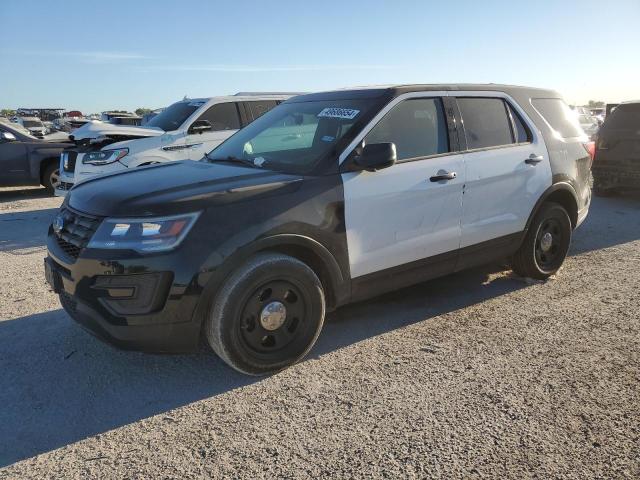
(327, 199)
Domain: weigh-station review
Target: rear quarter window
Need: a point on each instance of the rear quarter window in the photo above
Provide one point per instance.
(559, 116)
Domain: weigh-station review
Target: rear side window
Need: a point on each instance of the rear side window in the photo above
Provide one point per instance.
(260, 108)
(486, 122)
(222, 116)
(625, 116)
(417, 127)
(558, 114)
(521, 132)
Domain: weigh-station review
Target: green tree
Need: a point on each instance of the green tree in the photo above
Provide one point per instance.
(7, 112)
(595, 104)
(142, 111)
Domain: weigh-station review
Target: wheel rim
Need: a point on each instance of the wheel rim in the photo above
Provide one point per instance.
(272, 317)
(54, 178)
(549, 244)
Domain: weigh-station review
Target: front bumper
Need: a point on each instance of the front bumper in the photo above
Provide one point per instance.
(96, 289)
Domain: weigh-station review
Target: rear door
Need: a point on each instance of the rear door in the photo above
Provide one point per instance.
(225, 121)
(506, 166)
(402, 218)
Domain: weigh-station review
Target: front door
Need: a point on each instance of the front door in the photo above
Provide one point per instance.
(405, 215)
(14, 164)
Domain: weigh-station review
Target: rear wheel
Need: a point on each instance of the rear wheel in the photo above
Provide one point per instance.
(267, 315)
(545, 245)
(51, 177)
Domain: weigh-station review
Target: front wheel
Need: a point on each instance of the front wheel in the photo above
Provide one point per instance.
(267, 315)
(545, 245)
(51, 177)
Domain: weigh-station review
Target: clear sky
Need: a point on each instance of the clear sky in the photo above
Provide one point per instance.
(124, 54)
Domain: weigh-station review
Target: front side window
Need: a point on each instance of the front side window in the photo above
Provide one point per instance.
(417, 127)
(293, 137)
(486, 123)
(222, 116)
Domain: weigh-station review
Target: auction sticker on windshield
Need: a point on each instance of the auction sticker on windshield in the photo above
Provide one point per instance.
(347, 113)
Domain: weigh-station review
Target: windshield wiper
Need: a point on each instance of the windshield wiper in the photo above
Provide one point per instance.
(231, 159)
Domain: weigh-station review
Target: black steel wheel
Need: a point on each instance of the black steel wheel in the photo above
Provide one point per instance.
(267, 315)
(546, 243)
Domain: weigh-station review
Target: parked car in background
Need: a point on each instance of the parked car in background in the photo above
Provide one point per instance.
(108, 115)
(326, 199)
(126, 120)
(617, 162)
(589, 124)
(34, 125)
(185, 130)
(599, 114)
(27, 160)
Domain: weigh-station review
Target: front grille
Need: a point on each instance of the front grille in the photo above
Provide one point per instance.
(77, 229)
(68, 303)
(69, 160)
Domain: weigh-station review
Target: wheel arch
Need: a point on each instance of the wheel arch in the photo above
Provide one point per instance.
(563, 194)
(334, 281)
(316, 256)
(45, 163)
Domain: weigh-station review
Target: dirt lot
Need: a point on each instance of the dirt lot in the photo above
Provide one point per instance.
(475, 375)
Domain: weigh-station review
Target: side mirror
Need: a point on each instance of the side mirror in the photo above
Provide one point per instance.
(200, 126)
(377, 156)
(7, 137)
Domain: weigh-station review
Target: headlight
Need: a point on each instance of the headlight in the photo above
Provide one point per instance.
(103, 157)
(154, 234)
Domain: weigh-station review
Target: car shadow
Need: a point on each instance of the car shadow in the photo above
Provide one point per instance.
(58, 384)
(611, 221)
(15, 194)
(22, 232)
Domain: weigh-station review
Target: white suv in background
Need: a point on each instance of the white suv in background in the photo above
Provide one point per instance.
(185, 130)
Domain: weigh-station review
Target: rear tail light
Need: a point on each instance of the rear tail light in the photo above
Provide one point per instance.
(590, 147)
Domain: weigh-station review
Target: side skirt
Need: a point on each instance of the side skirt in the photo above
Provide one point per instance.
(390, 279)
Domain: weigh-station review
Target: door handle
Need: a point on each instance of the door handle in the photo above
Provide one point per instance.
(534, 159)
(443, 176)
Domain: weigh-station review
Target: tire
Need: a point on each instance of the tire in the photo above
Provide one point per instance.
(242, 332)
(51, 177)
(538, 258)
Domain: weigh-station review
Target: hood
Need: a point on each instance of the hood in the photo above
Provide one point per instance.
(176, 187)
(95, 129)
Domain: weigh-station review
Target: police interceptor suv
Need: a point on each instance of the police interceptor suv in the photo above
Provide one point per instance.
(327, 199)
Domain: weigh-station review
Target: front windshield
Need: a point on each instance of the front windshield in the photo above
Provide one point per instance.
(32, 123)
(174, 116)
(293, 137)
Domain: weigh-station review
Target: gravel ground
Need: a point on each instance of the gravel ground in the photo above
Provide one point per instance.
(479, 374)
